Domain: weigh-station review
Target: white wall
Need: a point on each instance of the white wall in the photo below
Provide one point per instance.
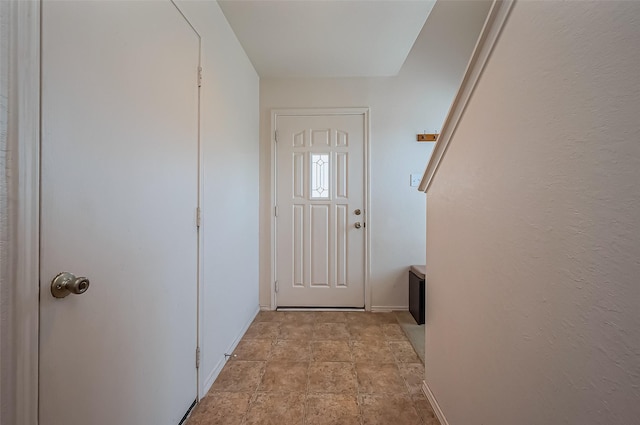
(414, 101)
(533, 227)
(229, 114)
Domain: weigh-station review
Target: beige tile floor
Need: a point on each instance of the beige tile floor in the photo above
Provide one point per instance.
(319, 368)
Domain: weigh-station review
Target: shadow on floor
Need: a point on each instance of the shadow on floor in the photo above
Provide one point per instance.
(414, 332)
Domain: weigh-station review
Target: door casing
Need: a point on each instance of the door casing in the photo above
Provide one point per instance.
(27, 132)
(367, 205)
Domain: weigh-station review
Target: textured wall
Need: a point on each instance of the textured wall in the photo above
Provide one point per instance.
(533, 227)
(414, 101)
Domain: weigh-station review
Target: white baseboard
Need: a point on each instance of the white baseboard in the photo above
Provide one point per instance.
(389, 308)
(379, 309)
(434, 403)
(208, 383)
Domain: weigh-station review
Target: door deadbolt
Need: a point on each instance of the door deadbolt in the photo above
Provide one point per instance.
(67, 283)
(357, 212)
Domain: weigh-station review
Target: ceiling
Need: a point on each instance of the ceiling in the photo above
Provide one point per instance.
(327, 38)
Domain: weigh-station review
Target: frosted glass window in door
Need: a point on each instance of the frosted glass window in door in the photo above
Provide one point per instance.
(319, 176)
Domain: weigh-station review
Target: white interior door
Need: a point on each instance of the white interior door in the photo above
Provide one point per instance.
(119, 192)
(320, 223)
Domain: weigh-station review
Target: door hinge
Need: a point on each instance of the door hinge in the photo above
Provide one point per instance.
(275, 136)
(277, 287)
(199, 76)
(198, 217)
(275, 211)
(197, 357)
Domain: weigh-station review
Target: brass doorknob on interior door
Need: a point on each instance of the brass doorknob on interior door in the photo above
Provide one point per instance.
(67, 283)
(358, 225)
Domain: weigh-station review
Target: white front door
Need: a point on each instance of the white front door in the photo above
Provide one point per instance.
(320, 203)
(119, 193)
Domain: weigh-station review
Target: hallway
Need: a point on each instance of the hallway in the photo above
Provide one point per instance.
(319, 368)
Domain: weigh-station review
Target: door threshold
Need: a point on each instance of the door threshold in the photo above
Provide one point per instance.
(319, 309)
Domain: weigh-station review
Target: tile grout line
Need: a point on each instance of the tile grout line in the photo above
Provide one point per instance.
(355, 371)
(404, 380)
(254, 396)
(306, 397)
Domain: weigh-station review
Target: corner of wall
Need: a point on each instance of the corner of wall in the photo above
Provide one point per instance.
(434, 403)
(211, 377)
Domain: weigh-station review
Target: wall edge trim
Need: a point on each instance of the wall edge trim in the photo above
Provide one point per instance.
(489, 35)
(434, 403)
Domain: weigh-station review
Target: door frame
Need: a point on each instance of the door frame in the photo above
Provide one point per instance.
(365, 112)
(24, 22)
(25, 51)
